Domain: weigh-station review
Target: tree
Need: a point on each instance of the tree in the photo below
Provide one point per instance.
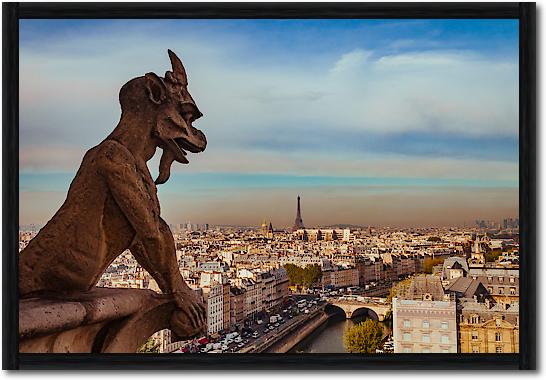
(306, 277)
(431, 263)
(397, 290)
(150, 347)
(493, 255)
(434, 238)
(363, 338)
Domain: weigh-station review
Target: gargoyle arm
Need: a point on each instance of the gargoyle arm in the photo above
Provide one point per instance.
(118, 168)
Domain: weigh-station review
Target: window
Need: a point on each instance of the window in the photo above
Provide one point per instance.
(498, 350)
(445, 339)
(407, 323)
(407, 350)
(475, 350)
(407, 336)
(512, 291)
(425, 350)
(489, 279)
(501, 279)
(490, 290)
(475, 319)
(474, 335)
(498, 321)
(445, 351)
(426, 338)
(498, 337)
(512, 280)
(501, 290)
(426, 324)
(444, 325)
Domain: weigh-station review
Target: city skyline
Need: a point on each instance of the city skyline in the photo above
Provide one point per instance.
(289, 111)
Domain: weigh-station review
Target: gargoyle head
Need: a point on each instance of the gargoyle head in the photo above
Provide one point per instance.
(176, 113)
(172, 110)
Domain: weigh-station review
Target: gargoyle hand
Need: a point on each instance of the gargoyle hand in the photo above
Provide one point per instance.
(190, 318)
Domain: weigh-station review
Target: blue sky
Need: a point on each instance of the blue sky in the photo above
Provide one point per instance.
(357, 115)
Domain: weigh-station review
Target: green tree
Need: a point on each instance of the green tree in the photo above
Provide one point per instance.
(431, 263)
(493, 255)
(363, 338)
(150, 347)
(397, 290)
(298, 276)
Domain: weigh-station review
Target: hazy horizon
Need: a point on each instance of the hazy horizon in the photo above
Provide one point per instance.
(372, 122)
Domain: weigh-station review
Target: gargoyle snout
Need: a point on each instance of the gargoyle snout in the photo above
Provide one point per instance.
(201, 140)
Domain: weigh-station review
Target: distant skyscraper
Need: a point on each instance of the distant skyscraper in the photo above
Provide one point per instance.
(298, 223)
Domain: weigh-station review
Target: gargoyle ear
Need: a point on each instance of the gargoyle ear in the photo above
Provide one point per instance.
(156, 88)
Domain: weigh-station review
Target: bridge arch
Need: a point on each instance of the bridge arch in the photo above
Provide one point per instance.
(334, 309)
(365, 310)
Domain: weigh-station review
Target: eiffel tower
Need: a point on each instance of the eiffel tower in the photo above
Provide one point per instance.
(298, 223)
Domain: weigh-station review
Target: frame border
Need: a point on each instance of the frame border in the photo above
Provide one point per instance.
(524, 12)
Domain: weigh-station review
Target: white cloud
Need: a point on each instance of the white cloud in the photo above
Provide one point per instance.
(71, 100)
(351, 60)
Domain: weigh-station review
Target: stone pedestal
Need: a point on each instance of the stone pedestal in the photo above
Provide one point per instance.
(100, 320)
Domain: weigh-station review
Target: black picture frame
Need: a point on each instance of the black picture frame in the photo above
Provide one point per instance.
(524, 12)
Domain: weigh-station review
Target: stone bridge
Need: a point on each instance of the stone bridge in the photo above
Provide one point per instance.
(350, 305)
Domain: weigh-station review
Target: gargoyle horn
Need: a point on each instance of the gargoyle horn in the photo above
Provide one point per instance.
(178, 69)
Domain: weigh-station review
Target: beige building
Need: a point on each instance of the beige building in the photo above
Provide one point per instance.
(340, 277)
(226, 306)
(488, 328)
(237, 306)
(214, 295)
(424, 326)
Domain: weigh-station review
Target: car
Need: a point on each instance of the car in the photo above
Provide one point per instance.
(276, 324)
(306, 311)
(241, 345)
(259, 321)
(255, 335)
(238, 339)
(271, 328)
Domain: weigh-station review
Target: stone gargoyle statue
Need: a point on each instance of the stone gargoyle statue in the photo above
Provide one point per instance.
(112, 202)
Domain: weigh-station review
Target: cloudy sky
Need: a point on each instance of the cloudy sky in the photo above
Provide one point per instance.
(382, 122)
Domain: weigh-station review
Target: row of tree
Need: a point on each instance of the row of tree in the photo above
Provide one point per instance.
(306, 277)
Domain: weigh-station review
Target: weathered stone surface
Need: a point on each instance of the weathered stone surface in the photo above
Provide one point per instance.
(100, 320)
(112, 206)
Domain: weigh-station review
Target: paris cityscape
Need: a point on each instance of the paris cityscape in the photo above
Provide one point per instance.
(301, 289)
(352, 186)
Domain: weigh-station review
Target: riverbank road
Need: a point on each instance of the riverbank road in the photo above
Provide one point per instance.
(294, 316)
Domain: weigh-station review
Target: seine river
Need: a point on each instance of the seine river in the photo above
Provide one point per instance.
(329, 337)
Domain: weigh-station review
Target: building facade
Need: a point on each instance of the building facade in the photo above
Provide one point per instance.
(424, 326)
